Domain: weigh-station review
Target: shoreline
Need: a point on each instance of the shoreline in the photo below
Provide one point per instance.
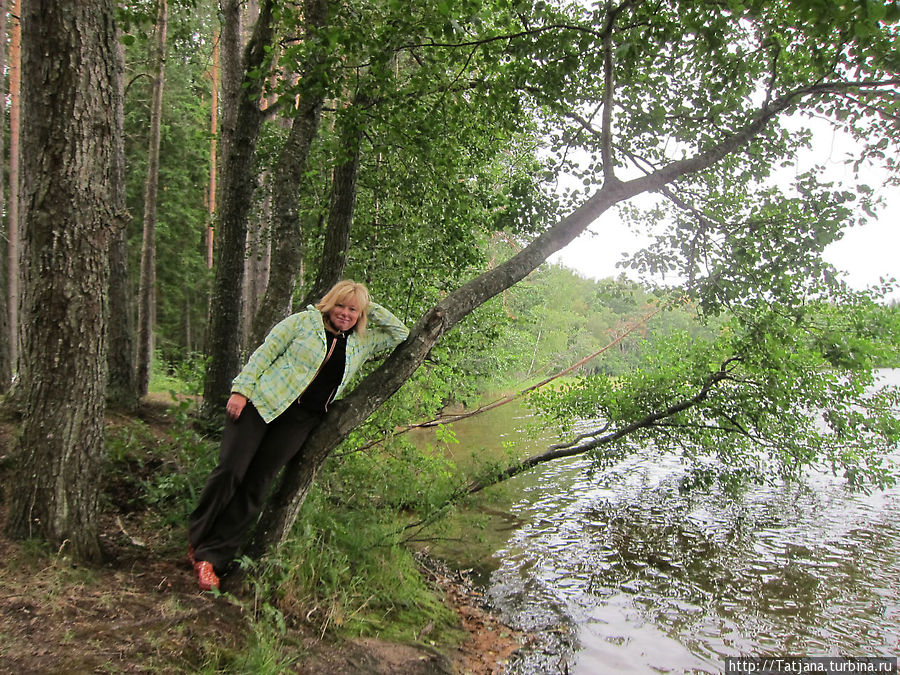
(141, 611)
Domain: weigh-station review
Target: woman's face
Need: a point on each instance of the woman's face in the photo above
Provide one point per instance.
(344, 315)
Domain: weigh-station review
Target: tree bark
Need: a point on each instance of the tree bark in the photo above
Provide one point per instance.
(257, 263)
(287, 244)
(147, 293)
(69, 137)
(5, 342)
(213, 156)
(122, 390)
(241, 132)
(15, 100)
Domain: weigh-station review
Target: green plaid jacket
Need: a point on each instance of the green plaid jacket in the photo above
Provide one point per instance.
(283, 366)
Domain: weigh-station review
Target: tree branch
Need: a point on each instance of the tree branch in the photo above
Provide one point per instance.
(609, 174)
(766, 113)
(648, 421)
(450, 419)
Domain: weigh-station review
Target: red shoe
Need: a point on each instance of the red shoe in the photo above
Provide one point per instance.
(206, 575)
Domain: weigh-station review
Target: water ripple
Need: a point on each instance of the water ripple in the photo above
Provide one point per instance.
(636, 576)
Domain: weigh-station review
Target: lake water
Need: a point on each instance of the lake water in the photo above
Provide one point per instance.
(621, 572)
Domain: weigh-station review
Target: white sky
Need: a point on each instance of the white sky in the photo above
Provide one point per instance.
(864, 254)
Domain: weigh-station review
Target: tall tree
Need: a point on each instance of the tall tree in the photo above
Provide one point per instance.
(122, 387)
(213, 151)
(15, 99)
(257, 263)
(287, 240)
(147, 292)
(70, 90)
(5, 342)
(182, 212)
(240, 135)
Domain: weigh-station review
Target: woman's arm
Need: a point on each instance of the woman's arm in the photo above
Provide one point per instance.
(384, 331)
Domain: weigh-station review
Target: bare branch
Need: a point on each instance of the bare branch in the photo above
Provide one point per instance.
(581, 437)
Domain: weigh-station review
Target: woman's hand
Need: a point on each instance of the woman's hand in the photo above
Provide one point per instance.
(235, 405)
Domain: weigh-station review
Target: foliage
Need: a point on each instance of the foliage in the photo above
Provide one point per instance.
(184, 375)
(182, 276)
(557, 318)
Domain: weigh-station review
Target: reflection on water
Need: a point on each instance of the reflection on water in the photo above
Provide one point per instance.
(655, 580)
(624, 573)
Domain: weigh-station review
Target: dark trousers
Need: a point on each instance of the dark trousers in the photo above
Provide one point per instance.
(251, 455)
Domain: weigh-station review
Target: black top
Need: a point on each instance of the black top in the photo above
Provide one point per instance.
(322, 389)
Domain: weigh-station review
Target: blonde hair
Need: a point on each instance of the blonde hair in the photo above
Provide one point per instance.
(339, 293)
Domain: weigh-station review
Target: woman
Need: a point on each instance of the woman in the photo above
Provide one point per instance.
(278, 398)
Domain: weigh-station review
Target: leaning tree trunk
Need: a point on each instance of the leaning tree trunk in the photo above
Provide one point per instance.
(347, 414)
(241, 133)
(70, 90)
(147, 293)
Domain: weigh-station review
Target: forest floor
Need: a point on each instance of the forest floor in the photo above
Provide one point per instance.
(142, 612)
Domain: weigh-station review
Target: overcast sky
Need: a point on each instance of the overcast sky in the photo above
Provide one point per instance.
(864, 253)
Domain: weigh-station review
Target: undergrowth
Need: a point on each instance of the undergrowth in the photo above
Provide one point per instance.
(343, 572)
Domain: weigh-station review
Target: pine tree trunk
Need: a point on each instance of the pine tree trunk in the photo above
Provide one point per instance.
(5, 342)
(122, 390)
(15, 99)
(147, 294)
(69, 136)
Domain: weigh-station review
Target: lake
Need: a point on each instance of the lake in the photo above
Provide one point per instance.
(622, 572)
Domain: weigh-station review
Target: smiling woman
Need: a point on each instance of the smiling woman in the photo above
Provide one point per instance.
(277, 400)
(344, 307)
